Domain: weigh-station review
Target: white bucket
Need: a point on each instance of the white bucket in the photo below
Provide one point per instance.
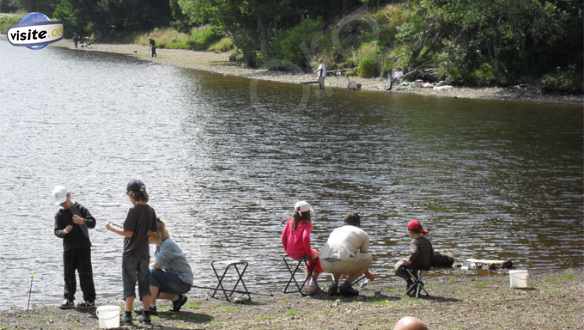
(109, 316)
(518, 278)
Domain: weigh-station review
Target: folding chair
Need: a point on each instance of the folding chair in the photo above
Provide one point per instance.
(293, 271)
(230, 264)
(417, 287)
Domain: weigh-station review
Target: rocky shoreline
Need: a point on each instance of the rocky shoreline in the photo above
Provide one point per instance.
(458, 301)
(219, 63)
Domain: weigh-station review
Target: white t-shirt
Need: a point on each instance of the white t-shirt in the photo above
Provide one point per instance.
(344, 243)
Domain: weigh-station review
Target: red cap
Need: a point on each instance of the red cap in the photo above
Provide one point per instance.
(416, 226)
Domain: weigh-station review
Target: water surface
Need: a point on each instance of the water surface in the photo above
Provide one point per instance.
(225, 160)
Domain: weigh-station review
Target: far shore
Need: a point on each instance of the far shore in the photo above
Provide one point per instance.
(219, 63)
(457, 300)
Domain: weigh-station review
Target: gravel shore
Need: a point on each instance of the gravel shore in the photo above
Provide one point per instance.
(219, 63)
(457, 301)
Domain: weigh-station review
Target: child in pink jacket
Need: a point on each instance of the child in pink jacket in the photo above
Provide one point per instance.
(296, 241)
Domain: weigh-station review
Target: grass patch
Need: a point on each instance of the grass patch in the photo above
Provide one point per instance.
(291, 312)
(562, 278)
(222, 46)
(229, 309)
(198, 39)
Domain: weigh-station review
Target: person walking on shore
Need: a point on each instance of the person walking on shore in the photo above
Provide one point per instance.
(72, 223)
(152, 48)
(139, 225)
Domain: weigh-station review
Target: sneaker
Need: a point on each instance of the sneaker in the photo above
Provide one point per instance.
(178, 303)
(348, 291)
(333, 290)
(67, 304)
(86, 305)
(145, 318)
(127, 318)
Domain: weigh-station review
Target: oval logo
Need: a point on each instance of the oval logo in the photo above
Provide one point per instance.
(35, 31)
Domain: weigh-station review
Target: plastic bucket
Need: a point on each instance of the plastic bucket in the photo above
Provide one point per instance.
(108, 316)
(518, 278)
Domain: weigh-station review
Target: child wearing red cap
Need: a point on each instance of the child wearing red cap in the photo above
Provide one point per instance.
(421, 252)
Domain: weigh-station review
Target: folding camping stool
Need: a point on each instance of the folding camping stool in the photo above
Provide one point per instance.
(417, 286)
(239, 266)
(293, 270)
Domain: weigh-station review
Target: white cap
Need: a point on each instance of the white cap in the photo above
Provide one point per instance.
(303, 206)
(59, 194)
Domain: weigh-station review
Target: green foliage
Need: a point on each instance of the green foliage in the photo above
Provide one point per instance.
(368, 59)
(7, 21)
(222, 46)
(203, 37)
(563, 81)
(166, 38)
(484, 75)
(485, 42)
(299, 43)
(66, 12)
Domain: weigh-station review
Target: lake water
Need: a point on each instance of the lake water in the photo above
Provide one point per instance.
(225, 159)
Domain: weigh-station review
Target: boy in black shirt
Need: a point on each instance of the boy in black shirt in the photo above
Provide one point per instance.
(140, 223)
(71, 224)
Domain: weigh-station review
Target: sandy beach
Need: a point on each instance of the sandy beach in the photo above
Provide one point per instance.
(219, 63)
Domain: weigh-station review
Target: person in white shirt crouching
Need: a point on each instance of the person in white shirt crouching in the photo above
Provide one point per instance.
(346, 256)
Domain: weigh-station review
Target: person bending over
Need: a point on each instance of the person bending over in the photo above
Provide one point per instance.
(171, 276)
(346, 256)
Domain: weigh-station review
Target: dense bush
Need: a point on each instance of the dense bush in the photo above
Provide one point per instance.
(198, 39)
(166, 38)
(203, 37)
(368, 60)
(298, 44)
(562, 81)
(7, 21)
(222, 46)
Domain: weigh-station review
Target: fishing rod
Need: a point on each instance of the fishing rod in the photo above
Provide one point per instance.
(29, 291)
(234, 291)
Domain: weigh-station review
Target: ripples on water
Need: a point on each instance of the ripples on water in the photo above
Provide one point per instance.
(490, 179)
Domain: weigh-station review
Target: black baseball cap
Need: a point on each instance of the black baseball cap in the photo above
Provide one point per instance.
(136, 185)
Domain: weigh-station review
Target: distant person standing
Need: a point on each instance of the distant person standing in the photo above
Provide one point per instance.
(152, 48)
(71, 224)
(76, 39)
(140, 224)
(321, 74)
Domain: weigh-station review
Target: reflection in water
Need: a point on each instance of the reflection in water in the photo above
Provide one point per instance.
(490, 179)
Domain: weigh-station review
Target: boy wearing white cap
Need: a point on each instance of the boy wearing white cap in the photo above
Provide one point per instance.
(71, 224)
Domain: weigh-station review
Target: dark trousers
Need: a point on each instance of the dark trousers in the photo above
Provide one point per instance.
(80, 260)
(402, 272)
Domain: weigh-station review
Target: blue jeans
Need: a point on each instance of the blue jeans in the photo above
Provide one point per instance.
(168, 282)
